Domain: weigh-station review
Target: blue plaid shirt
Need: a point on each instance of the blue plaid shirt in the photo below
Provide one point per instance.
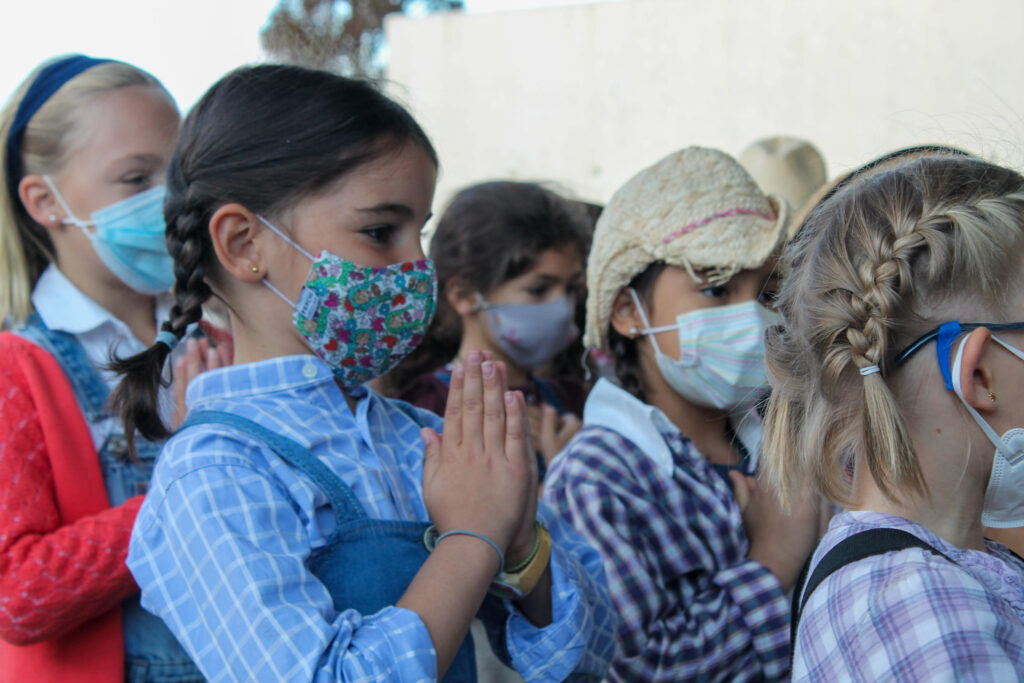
(692, 606)
(221, 542)
(912, 615)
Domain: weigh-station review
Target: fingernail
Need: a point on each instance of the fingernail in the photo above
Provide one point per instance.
(474, 357)
(488, 369)
(459, 370)
(510, 398)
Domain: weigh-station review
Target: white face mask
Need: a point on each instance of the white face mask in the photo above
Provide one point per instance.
(721, 354)
(1004, 495)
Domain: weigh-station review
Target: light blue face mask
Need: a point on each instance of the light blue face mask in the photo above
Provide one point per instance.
(129, 236)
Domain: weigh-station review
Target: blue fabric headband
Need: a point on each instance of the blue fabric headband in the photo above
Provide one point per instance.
(42, 89)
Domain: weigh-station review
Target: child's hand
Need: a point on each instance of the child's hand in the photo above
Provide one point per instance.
(555, 432)
(199, 356)
(779, 541)
(481, 475)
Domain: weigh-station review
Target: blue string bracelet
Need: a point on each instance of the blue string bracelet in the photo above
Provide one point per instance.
(460, 532)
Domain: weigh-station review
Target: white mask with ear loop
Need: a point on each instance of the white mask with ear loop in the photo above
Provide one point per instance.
(1004, 494)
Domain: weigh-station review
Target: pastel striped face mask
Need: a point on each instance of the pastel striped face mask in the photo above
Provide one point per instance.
(721, 354)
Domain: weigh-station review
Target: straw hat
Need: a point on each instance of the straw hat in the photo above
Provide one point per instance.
(697, 209)
(789, 167)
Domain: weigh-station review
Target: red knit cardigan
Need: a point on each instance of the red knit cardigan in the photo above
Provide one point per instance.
(62, 547)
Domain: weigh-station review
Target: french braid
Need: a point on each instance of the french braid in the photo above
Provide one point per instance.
(877, 264)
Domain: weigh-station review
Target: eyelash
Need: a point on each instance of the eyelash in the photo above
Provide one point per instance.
(716, 292)
(136, 179)
(374, 233)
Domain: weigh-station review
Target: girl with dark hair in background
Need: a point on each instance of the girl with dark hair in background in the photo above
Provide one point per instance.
(84, 267)
(509, 261)
(299, 526)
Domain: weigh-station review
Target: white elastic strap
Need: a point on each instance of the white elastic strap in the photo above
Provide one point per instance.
(277, 291)
(72, 218)
(1012, 349)
(996, 440)
(869, 370)
(287, 239)
(648, 330)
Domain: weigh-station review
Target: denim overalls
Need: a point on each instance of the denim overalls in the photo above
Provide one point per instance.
(366, 564)
(152, 654)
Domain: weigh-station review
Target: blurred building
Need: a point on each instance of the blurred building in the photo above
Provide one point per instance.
(587, 95)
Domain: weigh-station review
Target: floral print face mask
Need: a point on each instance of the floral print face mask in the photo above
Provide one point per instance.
(362, 320)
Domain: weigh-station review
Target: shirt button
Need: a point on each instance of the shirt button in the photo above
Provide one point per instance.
(309, 370)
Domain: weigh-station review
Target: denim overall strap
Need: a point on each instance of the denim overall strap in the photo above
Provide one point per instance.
(366, 564)
(343, 502)
(88, 385)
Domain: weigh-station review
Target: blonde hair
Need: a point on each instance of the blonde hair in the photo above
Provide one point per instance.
(897, 251)
(25, 246)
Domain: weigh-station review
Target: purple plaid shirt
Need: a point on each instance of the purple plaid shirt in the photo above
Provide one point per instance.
(692, 606)
(912, 615)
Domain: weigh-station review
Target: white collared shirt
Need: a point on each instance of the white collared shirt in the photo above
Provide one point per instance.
(612, 407)
(64, 307)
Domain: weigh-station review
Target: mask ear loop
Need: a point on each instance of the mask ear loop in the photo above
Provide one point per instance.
(649, 331)
(985, 426)
(72, 218)
(293, 243)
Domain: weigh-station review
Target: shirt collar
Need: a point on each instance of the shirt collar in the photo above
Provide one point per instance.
(64, 307)
(614, 408)
(274, 375)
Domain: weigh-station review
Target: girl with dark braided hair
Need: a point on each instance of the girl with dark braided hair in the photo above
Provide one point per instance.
(85, 273)
(300, 526)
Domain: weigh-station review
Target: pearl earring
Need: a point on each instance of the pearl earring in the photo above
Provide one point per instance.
(52, 217)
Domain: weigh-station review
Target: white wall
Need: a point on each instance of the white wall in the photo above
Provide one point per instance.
(587, 95)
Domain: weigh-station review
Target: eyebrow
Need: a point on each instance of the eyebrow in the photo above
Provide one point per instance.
(387, 207)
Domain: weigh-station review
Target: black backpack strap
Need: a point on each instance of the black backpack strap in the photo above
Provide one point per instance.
(849, 550)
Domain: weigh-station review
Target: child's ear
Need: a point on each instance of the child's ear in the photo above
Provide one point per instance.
(625, 317)
(39, 202)
(232, 229)
(462, 297)
(975, 374)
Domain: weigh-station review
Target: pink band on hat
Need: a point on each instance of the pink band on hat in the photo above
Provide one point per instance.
(715, 216)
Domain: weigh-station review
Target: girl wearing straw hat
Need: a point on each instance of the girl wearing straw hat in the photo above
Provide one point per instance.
(681, 281)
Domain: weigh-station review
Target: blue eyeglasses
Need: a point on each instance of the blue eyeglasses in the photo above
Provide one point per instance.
(944, 336)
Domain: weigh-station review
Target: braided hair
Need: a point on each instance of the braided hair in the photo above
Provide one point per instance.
(264, 137)
(898, 250)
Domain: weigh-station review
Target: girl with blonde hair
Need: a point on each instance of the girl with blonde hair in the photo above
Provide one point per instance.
(897, 392)
(83, 261)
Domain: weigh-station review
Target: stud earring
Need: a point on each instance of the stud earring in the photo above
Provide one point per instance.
(991, 397)
(52, 217)
(633, 332)
(255, 269)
